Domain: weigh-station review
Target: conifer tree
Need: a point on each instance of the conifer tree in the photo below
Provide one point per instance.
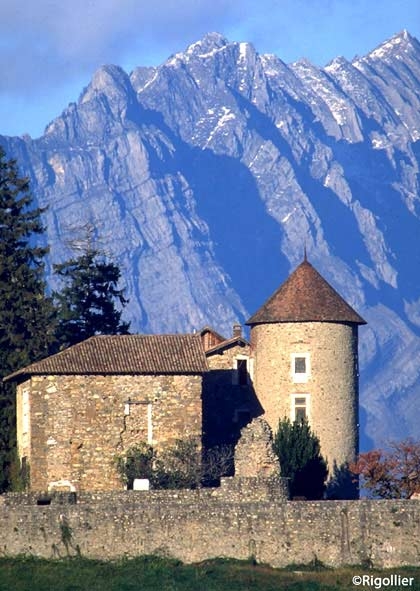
(299, 453)
(26, 328)
(88, 302)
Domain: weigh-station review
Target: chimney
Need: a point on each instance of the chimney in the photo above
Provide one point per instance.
(237, 330)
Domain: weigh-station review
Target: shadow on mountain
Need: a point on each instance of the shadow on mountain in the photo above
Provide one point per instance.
(371, 180)
(246, 239)
(338, 223)
(373, 186)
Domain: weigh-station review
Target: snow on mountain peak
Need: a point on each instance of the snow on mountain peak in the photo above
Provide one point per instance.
(206, 47)
(210, 41)
(336, 64)
(400, 42)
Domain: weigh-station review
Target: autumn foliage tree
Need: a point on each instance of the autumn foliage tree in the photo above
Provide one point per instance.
(393, 473)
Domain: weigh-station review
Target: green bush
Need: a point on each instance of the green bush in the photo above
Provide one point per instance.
(178, 466)
(181, 465)
(299, 453)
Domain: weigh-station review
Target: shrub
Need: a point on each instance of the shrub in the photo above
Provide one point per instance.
(179, 466)
(137, 462)
(299, 453)
(182, 465)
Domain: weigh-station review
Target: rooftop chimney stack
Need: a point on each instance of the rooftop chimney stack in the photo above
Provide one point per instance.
(237, 330)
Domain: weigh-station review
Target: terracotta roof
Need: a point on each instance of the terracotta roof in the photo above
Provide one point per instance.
(305, 296)
(125, 354)
(226, 344)
(213, 332)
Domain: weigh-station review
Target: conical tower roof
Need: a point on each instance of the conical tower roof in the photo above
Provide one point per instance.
(305, 297)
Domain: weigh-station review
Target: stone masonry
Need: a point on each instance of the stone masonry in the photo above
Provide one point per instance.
(332, 384)
(254, 455)
(80, 424)
(197, 525)
(228, 405)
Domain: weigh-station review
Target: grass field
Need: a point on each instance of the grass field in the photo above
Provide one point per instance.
(160, 574)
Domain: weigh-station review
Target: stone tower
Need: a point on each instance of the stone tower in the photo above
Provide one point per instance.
(304, 341)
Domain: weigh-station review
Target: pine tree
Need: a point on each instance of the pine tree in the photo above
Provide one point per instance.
(299, 453)
(26, 315)
(86, 304)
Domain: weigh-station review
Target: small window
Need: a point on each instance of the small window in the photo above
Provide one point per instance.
(138, 419)
(44, 500)
(300, 367)
(240, 376)
(300, 364)
(25, 411)
(242, 372)
(149, 423)
(300, 407)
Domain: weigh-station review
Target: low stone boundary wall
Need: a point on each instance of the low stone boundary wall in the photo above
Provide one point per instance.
(198, 525)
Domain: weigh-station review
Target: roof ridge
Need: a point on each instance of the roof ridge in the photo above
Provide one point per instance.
(227, 343)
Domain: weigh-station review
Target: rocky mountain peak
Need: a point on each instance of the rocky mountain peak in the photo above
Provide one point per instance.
(110, 80)
(206, 47)
(337, 63)
(394, 48)
(141, 76)
(209, 42)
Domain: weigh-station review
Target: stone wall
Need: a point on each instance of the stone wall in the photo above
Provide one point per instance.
(332, 382)
(254, 455)
(224, 358)
(79, 424)
(197, 525)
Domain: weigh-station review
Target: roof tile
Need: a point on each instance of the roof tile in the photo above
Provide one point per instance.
(125, 354)
(305, 297)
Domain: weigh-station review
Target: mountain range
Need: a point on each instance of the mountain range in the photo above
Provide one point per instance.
(206, 177)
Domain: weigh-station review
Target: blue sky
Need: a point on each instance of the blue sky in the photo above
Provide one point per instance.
(49, 49)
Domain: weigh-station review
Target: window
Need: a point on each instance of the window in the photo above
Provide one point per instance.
(299, 407)
(300, 367)
(149, 423)
(300, 364)
(25, 411)
(240, 371)
(139, 418)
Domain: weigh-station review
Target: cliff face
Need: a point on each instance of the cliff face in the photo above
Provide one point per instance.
(206, 176)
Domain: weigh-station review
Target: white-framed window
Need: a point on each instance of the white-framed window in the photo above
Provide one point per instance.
(149, 423)
(300, 407)
(141, 413)
(300, 367)
(25, 412)
(25, 421)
